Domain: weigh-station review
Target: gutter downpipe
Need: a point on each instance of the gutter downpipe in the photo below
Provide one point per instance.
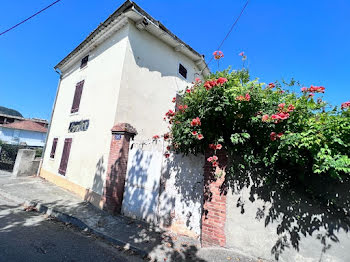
(49, 128)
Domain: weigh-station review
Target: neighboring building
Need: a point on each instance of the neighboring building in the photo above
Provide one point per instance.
(126, 71)
(6, 119)
(25, 132)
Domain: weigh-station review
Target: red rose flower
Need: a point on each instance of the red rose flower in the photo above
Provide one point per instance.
(210, 159)
(212, 146)
(166, 155)
(221, 80)
(281, 105)
(200, 136)
(345, 105)
(174, 100)
(194, 133)
(304, 89)
(291, 108)
(272, 85)
(218, 55)
(166, 136)
(265, 118)
(196, 122)
(218, 146)
(155, 137)
(273, 136)
(215, 164)
(247, 97)
(279, 135)
(241, 54)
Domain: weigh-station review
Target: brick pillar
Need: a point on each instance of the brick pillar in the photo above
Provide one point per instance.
(117, 165)
(214, 206)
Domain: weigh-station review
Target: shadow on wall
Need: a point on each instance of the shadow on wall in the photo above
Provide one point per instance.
(142, 189)
(296, 208)
(94, 196)
(182, 177)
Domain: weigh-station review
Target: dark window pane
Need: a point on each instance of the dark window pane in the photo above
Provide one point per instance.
(84, 61)
(183, 71)
(53, 148)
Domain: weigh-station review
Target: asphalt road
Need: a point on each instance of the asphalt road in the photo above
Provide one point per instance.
(29, 236)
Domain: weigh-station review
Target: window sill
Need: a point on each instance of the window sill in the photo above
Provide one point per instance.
(74, 114)
(83, 68)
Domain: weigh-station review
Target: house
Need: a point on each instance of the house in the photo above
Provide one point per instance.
(6, 119)
(24, 132)
(114, 86)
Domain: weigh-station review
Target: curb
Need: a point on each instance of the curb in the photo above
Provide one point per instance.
(65, 218)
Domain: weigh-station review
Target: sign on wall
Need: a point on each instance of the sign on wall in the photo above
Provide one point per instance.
(78, 126)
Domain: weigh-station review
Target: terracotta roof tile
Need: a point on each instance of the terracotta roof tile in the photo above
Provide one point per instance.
(26, 125)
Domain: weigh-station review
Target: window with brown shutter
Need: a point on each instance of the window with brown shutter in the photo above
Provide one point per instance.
(53, 148)
(77, 97)
(84, 61)
(65, 156)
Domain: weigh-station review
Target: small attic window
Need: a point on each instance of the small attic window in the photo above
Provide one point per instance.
(183, 71)
(84, 61)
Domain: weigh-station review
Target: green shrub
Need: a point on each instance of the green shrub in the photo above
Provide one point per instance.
(264, 124)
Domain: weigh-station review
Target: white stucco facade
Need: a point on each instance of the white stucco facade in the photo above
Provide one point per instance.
(131, 77)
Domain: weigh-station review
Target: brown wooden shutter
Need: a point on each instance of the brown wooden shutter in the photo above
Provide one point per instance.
(53, 148)
(65, 156)
(77, 96)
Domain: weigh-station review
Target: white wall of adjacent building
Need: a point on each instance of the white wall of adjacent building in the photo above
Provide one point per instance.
(24, 137)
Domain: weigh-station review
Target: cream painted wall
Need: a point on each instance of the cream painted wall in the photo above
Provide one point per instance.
(131, 77)
(150, 80)
(90, 149)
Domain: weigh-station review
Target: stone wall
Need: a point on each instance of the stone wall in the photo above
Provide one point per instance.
(26, 164)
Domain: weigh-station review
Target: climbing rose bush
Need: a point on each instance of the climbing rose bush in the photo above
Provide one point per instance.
(264, 124)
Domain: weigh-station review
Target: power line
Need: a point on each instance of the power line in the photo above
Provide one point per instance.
(229, 32)
(25, 20)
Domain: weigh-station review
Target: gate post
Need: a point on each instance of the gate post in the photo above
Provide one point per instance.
(214, 202)
(117, 167)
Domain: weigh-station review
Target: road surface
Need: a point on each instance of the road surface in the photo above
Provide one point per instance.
(29, 236)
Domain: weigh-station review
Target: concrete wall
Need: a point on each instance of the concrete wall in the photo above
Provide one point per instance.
(16, 136)
(26, 164)
(271, 221)
(168, 192)
(150, 80)
(90, 149)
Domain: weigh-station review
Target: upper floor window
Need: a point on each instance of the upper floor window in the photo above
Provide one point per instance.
(183, 71)
(84, 61)
(77, 97)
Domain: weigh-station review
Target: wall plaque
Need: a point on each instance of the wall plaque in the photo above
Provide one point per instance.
(78, 126)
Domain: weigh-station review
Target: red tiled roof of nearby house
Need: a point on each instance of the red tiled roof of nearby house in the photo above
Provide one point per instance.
(26, 125)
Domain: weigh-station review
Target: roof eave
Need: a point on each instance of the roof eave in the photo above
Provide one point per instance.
(125, 8)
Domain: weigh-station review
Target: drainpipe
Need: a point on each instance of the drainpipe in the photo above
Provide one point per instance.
(49, 127)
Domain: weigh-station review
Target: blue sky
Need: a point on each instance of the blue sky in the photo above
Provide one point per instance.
(307, 40)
